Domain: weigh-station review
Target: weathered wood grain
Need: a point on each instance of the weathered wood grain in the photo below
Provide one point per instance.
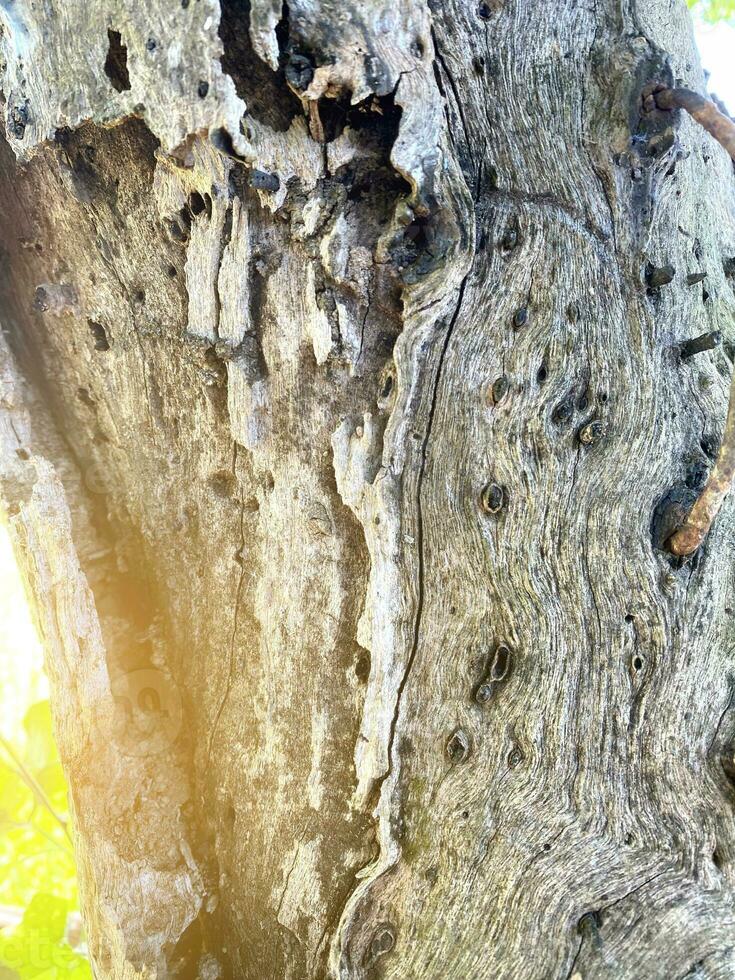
(359, 326)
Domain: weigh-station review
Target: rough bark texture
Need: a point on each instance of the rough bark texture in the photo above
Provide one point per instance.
(343, 421)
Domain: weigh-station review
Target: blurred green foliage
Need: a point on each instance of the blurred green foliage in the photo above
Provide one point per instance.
(713, 10)
(36, 856)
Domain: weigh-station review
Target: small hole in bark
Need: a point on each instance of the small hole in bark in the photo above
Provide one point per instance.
(458, 746)
(362, 668)
(222, 141)
(547, 847)
(717, 859)
(99, 334)
(465, 814)
(492, 498)
(139, 296)
(198, 204)
(178, 231)
(479, 65)
(251, 505)
(498, 390)
(515, 758)
(628, 618)
(542, 374)
(116, 62)
(151, 44)
(520, 318)
(637, 663)
(171, 272)
(387, 386)
(203, 88)
(485, 11)
(563, 410)
(501, 663)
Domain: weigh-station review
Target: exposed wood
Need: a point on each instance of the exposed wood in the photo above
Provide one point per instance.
(345, 359)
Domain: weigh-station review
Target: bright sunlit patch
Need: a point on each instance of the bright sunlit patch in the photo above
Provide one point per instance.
(716, 43)
(22, 681)
(39, 927)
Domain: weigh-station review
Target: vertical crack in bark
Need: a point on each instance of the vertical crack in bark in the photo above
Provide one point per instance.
(420, 526)
(235, 618)
(452, 84)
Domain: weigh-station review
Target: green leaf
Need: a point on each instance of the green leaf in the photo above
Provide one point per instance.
(45, 917)
(37, 950)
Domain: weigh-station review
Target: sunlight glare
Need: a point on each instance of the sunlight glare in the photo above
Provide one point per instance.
(22, 681)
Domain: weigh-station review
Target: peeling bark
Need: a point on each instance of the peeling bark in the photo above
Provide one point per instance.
(343, 428)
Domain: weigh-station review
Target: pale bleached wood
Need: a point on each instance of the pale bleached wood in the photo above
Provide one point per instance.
(314, 358)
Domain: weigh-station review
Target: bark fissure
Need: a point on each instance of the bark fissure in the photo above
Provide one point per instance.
(419, 521)
(406, 287)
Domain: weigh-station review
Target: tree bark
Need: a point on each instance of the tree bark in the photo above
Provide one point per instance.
(343, 425)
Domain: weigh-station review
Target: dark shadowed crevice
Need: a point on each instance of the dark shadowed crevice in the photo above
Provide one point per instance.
(116, 63)
(264, 92)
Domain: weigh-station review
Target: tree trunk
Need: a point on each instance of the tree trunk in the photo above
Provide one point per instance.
(343, 426)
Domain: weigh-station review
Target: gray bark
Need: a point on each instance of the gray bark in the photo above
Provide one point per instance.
(342, 427)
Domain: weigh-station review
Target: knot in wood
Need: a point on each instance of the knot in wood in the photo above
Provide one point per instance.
(458, 746)
(383, 941)
(591, 433)
(492, 498)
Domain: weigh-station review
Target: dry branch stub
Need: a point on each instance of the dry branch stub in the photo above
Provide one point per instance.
(690, 536)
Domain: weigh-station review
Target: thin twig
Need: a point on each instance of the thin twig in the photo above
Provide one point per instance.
(693, 531)
(34, 787)
(35, 829)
